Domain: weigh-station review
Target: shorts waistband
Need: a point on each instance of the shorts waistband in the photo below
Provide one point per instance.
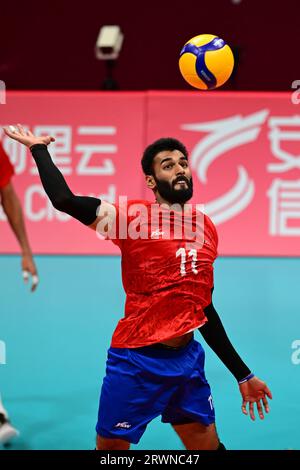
(161, 346)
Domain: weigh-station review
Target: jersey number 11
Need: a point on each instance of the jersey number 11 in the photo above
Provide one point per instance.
(183, 253)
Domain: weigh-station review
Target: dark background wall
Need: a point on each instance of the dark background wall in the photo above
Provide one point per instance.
(50, 45)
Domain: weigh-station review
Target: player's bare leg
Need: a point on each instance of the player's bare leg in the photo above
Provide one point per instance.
(103, 443)
(197, 436)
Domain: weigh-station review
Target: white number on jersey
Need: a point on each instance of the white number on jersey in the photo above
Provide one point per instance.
(193, 254)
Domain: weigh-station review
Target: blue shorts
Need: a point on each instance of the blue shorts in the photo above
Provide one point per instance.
(143, 383)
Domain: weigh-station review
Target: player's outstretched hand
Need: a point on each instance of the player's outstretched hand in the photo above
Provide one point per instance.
(29, 269)
(26, 137)
(255, 391)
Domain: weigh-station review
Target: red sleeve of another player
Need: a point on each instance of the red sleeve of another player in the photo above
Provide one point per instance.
(6, 168)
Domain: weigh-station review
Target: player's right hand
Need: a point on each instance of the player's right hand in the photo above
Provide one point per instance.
(26, 137)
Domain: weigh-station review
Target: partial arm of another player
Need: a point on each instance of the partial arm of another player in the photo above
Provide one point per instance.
(252, 389)
(13, 210)
(88, 210)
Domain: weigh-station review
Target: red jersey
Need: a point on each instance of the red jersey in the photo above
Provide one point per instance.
(166, 277)
(6, 168)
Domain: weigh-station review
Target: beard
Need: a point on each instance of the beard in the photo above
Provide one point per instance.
(175, 196)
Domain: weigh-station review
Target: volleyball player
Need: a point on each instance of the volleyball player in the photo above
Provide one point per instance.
(154, 365)
(13, 210)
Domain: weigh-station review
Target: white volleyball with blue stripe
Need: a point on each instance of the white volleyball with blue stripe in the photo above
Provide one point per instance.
(206, 62)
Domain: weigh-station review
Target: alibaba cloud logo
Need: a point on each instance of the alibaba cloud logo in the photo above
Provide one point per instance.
(224, 135)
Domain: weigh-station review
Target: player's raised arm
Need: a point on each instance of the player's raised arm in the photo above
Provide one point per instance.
(88, 210)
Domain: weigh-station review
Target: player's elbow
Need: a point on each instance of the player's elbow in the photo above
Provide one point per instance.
(61, 202)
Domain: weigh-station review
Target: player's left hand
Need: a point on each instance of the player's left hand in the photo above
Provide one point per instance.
(255, 391)
(29, 268)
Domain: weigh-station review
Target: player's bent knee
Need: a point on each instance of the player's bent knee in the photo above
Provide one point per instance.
(197, 436)
(196, 427)
(104, 443)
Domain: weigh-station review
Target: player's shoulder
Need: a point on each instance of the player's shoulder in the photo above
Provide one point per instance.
(125, 206)
(128, 203)
(210, 227)
(199, 208)
(208, 223)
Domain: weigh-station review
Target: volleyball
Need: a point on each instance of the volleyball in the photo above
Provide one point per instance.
(206, 61)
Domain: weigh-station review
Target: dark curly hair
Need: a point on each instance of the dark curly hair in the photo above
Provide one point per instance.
(165, 143)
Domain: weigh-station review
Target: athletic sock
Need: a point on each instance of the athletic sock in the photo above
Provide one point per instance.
(221, 446)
